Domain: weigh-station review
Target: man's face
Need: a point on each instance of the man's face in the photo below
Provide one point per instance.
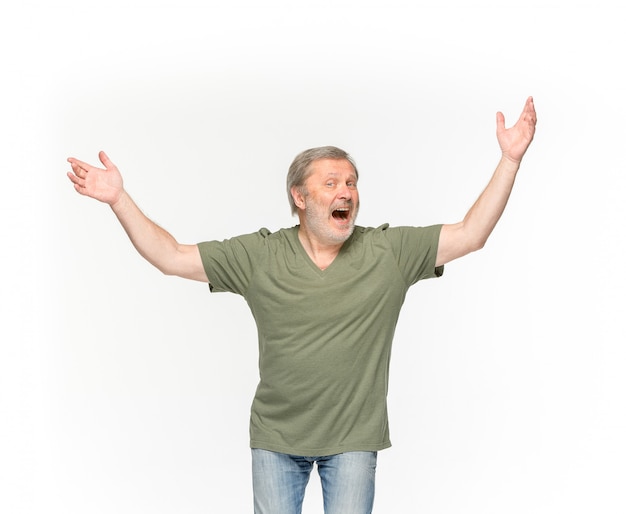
(331, 200)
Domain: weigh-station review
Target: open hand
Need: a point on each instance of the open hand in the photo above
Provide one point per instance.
(514, 141)
(105, 185)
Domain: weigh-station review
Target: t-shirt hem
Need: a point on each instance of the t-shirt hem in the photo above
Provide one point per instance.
(320, 452)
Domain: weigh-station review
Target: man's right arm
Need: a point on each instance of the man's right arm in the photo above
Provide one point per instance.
(154, 243)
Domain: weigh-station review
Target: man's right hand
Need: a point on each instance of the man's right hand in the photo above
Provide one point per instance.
(105, 185)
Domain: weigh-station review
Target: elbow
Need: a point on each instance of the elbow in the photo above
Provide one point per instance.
(168, 260)
(476, 244)
(164, 267)
(167, 272)
(169, 269)
(479, 245)
(185, 262)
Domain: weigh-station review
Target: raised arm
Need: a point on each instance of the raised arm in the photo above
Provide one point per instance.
(472, 233)
(155, 244)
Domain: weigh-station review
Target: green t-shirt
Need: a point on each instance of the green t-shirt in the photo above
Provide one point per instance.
(324, 336)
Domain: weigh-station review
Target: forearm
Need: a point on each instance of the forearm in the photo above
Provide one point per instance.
(482, 217)
(471, 234)
(152, 242)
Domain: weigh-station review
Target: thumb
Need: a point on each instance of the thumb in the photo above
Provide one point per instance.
(104, 159)
(499, 121)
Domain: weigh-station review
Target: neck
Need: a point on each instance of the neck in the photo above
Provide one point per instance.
(321, 252)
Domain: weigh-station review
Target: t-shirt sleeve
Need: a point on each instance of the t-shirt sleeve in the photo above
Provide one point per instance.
(415, 249)
(229, 264)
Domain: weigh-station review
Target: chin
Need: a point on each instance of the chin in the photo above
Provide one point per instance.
(341, 236)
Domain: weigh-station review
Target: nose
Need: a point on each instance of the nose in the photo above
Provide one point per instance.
(345, 192)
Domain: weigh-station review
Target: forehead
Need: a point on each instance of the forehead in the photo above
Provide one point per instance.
(322, 168)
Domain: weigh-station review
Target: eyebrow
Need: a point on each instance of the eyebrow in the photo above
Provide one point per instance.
(334, 174)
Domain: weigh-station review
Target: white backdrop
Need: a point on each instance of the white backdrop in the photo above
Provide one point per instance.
(122, 390)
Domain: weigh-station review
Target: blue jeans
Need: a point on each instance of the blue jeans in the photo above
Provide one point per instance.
(279, 481)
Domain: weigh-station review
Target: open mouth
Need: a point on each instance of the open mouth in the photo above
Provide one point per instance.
(341, 214)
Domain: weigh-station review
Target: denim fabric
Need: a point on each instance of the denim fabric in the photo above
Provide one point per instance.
(279, 481)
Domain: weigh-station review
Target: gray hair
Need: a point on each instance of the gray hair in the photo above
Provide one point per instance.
(300, 168)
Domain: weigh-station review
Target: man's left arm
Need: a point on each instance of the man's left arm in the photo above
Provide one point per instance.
(471, 234)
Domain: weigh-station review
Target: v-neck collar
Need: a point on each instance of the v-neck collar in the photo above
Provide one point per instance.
(319, 271)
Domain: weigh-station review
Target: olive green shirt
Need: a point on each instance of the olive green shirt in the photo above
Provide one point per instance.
(324, 336)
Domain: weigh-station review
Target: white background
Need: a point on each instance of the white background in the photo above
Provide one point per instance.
(122, 390)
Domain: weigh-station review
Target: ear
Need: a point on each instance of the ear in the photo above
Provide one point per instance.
(298, 197)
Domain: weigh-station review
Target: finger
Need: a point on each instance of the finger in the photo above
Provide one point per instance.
(104, 159)
(529, 110)
(78, 170)
(80, 165)
(79, 183)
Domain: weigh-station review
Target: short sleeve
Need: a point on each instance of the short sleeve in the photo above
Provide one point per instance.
(229, 264)
(415, 249)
